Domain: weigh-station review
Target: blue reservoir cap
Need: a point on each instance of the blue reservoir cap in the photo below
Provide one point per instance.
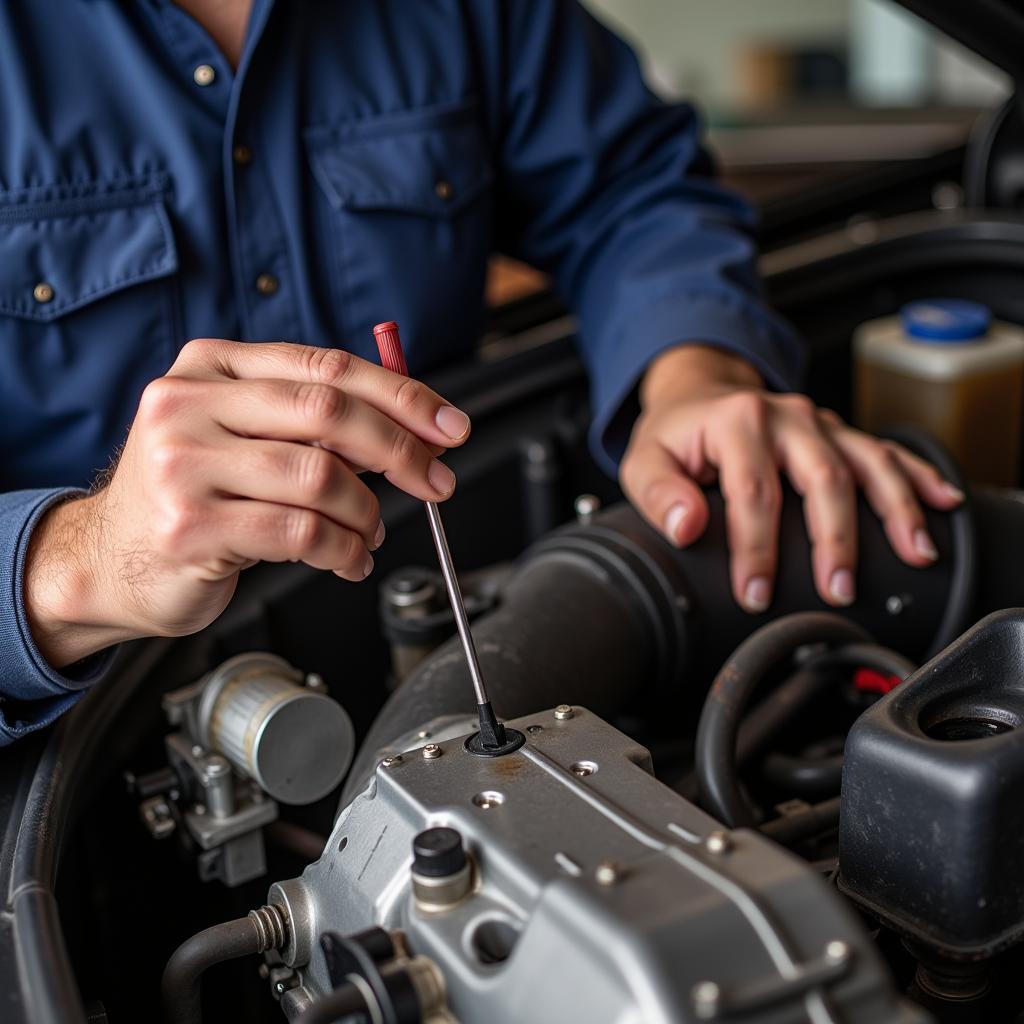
(945, 320)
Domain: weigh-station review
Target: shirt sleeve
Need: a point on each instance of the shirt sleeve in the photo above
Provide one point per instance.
(609, 190)
(32, 693)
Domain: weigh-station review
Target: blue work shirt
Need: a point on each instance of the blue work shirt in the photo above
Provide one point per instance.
(361, 164)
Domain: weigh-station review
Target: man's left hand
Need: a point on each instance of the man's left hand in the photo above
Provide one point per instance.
(706, 415)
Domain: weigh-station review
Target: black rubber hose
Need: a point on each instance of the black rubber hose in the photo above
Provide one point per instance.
(768, 648)
(807, 777)
(761, 726)
(344, 1001)
(297, 839)
(181, 984)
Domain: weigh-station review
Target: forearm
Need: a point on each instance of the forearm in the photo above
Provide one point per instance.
(64, 586)
(690, 369)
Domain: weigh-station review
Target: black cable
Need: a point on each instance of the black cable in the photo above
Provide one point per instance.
(762, 651)
(344, 1001)
(803, 824)
(180, 986)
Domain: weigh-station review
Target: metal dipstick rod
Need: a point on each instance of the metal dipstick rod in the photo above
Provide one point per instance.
(492, 732)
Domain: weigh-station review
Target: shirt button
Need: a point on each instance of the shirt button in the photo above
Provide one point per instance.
(443, 189)
(242, 155)
(42, 292)
(204, 75)
(266, 284)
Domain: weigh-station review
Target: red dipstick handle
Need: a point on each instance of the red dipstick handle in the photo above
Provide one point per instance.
(389, 344)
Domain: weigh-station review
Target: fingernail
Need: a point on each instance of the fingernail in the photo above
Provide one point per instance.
(841, 587)
(925, 546)
(454, 422)
(758, 594)
(676, 514)
(441, 478)
(953, 491)
(367, 566)
(378, 537)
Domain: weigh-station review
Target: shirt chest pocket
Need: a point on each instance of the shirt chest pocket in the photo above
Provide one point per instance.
(88, 315)
(406, 220)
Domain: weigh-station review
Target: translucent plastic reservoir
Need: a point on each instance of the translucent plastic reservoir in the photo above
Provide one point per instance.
(946, 366)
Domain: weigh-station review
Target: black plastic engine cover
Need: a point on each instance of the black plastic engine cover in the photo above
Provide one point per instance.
(931, 835)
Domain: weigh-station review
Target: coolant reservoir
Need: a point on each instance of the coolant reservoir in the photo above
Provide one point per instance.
(945, 365)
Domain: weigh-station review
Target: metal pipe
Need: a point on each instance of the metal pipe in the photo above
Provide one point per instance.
(451, 584)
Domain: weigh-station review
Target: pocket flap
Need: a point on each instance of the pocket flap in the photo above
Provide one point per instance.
(59, 252)
(430, 161)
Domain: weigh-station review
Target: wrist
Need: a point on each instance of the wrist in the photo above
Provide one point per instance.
(67, 606)
(691, 370)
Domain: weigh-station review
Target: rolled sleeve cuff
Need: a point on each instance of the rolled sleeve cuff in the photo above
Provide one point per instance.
(739, 326)
(32, 693)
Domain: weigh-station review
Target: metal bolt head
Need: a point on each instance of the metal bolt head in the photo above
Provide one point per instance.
(707, 997)
(564, 712)
(837, 952)
(423, 734)
(215, 767)
(390, 762)
(431, 752)
(607, 873)
(587, 506)
(894, 604)
(718, 842)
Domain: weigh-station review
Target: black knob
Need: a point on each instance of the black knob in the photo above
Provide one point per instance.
(438, 852)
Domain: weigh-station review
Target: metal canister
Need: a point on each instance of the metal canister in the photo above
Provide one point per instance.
(294, 742)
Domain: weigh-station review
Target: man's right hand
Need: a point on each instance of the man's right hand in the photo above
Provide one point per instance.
(242, 453)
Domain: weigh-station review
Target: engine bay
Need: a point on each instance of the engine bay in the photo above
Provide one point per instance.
(799, 816)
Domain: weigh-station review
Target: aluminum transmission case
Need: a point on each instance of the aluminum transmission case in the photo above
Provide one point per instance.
(598, 894)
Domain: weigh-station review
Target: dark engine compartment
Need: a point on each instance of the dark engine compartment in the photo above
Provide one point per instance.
(606, 616)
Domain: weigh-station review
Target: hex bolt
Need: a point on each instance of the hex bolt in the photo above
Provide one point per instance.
(390, 762)
(707, 999)
(718, 842)
(607, 873)
(837, 952)
(431, 752)
(564, 712)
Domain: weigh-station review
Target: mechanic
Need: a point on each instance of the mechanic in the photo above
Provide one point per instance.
(258, 171)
